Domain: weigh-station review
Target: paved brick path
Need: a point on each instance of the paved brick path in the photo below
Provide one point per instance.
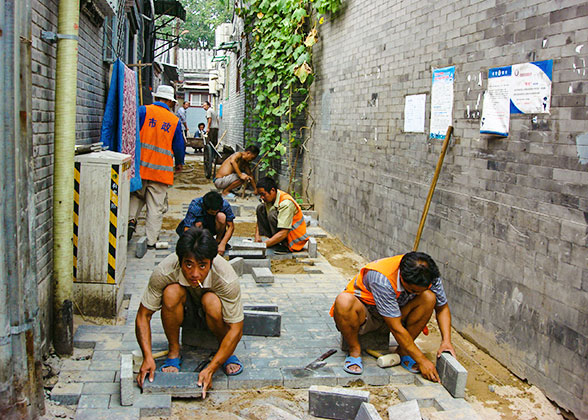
(93, 381)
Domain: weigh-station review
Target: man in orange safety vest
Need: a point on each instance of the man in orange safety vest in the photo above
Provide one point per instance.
(398, 293)
(161, 141)
(279, 218)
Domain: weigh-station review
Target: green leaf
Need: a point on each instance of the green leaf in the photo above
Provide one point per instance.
(298, 14)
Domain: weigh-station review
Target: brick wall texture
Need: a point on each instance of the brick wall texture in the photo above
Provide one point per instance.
(91, 98)
(508, 221)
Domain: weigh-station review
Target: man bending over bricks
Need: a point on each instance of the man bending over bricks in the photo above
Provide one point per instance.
(399, 292)
(235, 170)
(194, 272)
(213, 213)
(279, 218)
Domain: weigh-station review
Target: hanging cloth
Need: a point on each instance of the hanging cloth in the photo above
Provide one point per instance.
(120, 125)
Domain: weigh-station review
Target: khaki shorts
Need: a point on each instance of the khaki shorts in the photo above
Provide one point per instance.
(225, 181)
(373, 320)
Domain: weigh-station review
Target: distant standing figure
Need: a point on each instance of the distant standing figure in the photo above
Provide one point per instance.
(235, 170)
(212, 121)
(212, 213)
(161, 141)
(182, 116)
(279, 218)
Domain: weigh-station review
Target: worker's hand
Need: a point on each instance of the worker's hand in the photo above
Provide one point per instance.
(205, 380)
(188, 134)
(221, 249)
(147, 368)
(258, 238)
(179, 168)
(446, 346)
(244, 176)
(429, 371)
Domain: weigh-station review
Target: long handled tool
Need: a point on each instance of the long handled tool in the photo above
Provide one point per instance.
(432, 188)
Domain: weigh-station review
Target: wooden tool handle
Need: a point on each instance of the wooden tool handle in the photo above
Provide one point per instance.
(374, 353)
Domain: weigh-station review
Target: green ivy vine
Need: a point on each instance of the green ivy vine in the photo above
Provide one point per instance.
(278, 70)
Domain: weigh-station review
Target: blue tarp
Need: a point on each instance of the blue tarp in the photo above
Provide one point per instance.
(111, 134)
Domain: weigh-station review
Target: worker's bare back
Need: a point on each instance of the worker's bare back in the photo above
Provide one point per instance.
(227, 166)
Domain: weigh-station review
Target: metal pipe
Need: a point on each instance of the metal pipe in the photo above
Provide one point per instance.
(432, 188)
(63, 175)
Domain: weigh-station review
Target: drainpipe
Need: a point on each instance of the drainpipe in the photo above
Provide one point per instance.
(63, 174)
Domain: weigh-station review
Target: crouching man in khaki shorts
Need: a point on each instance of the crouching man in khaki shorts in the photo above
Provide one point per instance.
(210, 280)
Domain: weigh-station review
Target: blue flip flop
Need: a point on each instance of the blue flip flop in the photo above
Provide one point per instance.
(176, 362)
(235, 361)
(408, 363)
(350, 361)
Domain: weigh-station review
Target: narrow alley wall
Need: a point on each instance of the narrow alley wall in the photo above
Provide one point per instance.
(508, 221)
(91, 99)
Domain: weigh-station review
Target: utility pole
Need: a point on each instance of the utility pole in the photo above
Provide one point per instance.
(63, 175)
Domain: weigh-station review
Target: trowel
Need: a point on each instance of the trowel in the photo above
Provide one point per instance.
(319, 362)
(309, 369)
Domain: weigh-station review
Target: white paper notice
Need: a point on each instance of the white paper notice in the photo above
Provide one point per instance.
(496, 109)
(414, 113)
(442, 101)
(531, 87)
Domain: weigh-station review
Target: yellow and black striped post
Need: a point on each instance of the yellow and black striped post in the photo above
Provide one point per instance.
(76, 218)
(114, 180)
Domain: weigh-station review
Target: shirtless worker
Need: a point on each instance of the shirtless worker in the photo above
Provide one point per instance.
(399, 292)
(196, 272)
(235, 170)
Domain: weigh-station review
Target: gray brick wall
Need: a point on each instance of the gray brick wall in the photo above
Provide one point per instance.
(90, 107)
(508, 221)
(234, 106)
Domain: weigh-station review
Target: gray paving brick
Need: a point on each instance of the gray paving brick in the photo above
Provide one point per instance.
(123, 413)
(462, 414)
(141, 247)
(246, 253)
(126, 379)
(335, 403)
(94, 401)
(249, 245)
(262, 323)
(266, 307)
(176, 384)
(262, 275)
(372, 375)
(249, 264)
(312, 247)
(408, 410)
(302, 378)
(238, 265)
(96, 388)
(453, 375)
(312, 270)
(367, 412)
(448, 404)
(256, 378)
(424, 395)
(66, 393)
(105, 365)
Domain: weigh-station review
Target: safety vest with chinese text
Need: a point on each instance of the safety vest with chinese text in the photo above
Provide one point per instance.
(157, 134)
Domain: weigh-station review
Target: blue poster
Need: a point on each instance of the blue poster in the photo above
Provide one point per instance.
(442, 101)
